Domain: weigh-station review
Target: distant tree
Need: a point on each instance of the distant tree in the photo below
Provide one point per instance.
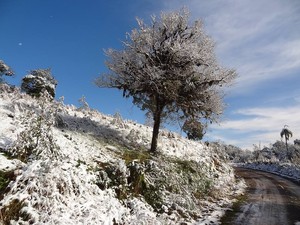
(38, 81)
(193, 129)
(286, 133)
(83, 103)
(297, 142)
(169, 67)
(5, 70)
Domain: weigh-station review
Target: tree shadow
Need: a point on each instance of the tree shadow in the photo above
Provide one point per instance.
(107, 133)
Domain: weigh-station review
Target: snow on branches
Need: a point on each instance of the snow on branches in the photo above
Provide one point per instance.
(36, 141)
(169, 67)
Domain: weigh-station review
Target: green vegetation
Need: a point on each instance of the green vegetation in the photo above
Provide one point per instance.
(159, 180)
(135, 155)
(229, 215)
(5, 178)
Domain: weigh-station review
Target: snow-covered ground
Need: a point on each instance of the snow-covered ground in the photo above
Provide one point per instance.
(58, 180)
(288, 170)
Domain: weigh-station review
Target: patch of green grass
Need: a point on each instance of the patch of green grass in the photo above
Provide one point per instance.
(5, 178)
(7, 154)
(203, 189)
(79, 162)
(229, 216)
(130, 155)
(139, 186)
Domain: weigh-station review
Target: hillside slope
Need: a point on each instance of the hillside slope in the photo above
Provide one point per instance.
(71, 165)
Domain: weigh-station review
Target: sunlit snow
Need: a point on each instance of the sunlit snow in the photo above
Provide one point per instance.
(64, 190)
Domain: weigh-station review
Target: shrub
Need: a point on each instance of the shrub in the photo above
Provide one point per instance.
(193, 129)
(5, 70)
(39, 81)
(36, 141)
(5, 178)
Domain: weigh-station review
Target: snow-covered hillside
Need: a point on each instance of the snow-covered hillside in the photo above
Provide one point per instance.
(277, 158)
(77, 166)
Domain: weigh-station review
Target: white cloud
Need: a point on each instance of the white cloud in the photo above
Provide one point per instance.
(257, 37)
(258, 125)
(261, 40)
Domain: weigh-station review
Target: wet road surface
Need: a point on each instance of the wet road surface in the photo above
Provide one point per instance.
(271, 200)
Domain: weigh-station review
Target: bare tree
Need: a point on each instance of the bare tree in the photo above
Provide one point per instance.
(169, 67)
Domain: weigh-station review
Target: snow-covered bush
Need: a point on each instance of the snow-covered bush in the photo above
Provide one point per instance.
(83, 104)
(39, 81)
(278, 158)
(118, 120)
(56, 192)
(36, 141)
(169, 185)
(5, 70)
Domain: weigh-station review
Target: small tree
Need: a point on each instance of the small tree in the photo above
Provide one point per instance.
(287, 134)
(36, 141)
(38, 81)
(169, 67)
(5, 70)
(83, 103)
(193, 129)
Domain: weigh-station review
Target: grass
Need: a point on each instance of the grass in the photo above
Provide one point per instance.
(5, 178)
(135, 155)
(229, 216)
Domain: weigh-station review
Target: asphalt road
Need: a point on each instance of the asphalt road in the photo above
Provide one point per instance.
(271, 200)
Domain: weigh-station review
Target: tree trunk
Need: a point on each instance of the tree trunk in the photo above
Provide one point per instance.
(157, 120)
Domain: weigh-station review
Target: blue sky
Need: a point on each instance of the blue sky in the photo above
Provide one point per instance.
(259, 38)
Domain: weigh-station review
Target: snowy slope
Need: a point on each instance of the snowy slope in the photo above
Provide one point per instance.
(81, 169)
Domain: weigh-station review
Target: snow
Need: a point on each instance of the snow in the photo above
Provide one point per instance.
(8, 165)
(288, 170)
(63, 190)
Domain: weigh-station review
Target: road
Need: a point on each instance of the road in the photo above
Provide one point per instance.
(271, 200)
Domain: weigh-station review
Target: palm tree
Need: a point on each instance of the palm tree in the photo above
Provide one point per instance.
(287, 134)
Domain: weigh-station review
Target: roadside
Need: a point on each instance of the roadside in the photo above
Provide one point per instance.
(269, 200)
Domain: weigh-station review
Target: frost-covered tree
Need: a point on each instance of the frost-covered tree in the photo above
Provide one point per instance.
(38, 81)
(83, 103)
(169, 66)
(5, 70)
(286, 133)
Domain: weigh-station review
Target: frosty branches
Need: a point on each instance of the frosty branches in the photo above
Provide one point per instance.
(5, 70)
(168, 67)
(39, 81)
(36, 141)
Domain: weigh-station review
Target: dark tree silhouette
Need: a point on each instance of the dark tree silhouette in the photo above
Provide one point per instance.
(38, 81)
(286, 133)
(193, 129)
(5, 70)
